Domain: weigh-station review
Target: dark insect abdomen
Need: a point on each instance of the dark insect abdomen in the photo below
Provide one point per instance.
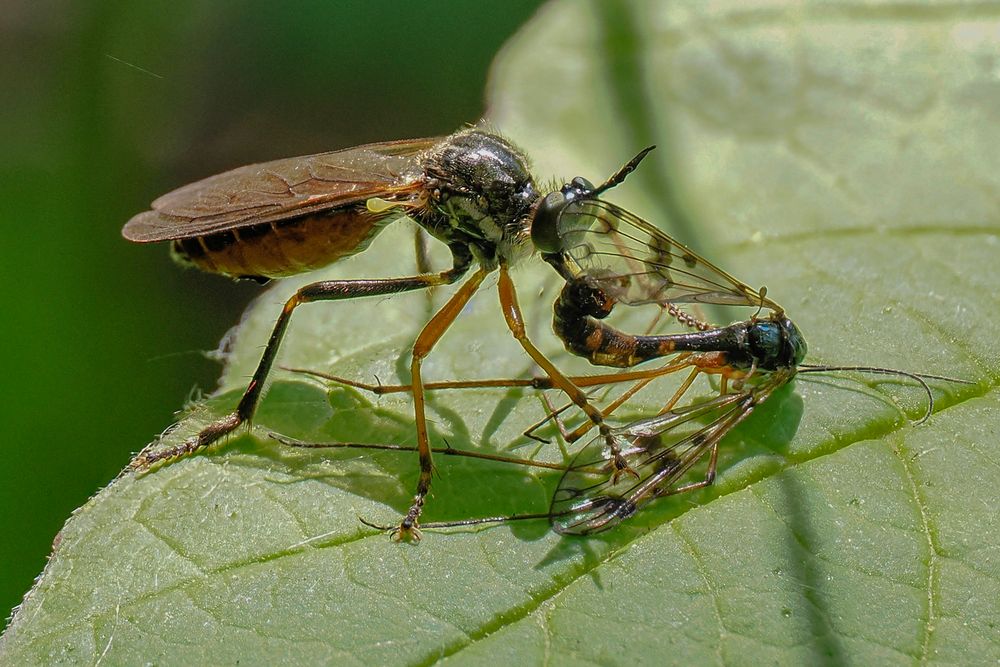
(576, 315)
(282, 248)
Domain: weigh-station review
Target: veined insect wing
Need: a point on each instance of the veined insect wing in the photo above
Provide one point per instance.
(593, 496)
(637, 263)
(282, 189)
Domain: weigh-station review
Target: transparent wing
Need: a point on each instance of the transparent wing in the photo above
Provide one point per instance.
(281, 189)
(661, 450)
(636, 263)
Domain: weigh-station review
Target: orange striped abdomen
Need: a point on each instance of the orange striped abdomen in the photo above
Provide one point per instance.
(282, 248)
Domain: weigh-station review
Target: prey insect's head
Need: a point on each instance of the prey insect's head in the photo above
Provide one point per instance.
(776, 343)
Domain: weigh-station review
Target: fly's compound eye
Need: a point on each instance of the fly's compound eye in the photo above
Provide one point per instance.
(544, 225)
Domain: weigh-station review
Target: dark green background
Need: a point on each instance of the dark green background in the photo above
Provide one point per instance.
(103, 340)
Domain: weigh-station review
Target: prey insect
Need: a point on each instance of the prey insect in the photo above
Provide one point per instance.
(660, 451)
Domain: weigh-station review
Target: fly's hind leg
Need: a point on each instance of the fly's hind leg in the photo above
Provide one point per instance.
(330, 290)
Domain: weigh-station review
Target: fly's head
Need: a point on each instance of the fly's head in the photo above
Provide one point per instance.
(546, 234)
(482, 187)
(548, 229)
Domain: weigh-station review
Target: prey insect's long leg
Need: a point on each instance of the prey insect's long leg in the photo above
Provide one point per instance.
(641, 377)
(447, 451)
(425, 342)
(709, 479)
(537, 382)
(714, 439)
(682, 362)
(330, 290)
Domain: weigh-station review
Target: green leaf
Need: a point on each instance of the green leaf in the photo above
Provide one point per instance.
(845, 155)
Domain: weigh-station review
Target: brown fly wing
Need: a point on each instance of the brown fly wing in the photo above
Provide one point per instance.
(282, 189)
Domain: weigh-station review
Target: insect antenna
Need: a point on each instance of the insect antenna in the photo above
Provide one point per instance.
(920, 378)
(620, 175)
(463, 523)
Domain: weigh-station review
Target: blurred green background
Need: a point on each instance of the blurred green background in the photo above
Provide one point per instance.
(109, 104)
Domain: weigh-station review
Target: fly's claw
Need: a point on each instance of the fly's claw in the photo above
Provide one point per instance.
(620, 468)
(408, 529)
(405, 532)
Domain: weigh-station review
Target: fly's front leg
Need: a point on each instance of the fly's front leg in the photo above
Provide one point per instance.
(330, 290)
(515, 322)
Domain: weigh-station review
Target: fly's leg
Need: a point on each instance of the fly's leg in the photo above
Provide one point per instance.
(409, 527)
(331, 290)
(421, 251)
(422, 254)
(515, 322)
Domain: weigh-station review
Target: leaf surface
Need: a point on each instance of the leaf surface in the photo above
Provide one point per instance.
(843, 154)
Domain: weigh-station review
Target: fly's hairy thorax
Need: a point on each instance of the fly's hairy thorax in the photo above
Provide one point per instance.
(482, 195)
